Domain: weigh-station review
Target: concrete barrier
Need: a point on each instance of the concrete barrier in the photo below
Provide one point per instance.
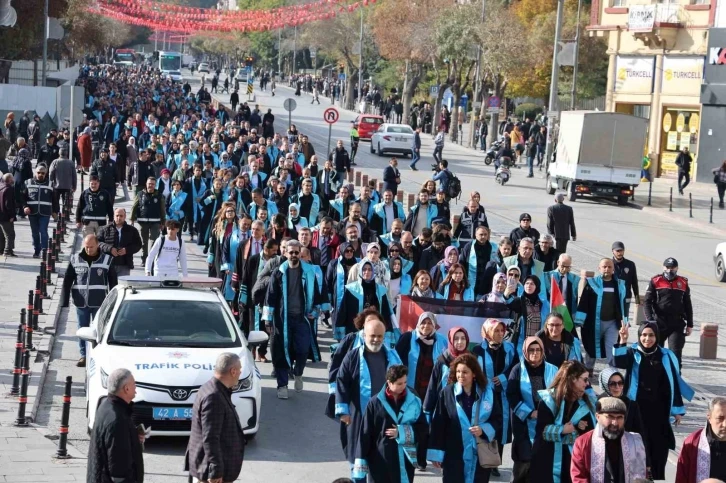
(411, 200)
(708, 348)
(399, 196)
(358, 178)
(365, 180)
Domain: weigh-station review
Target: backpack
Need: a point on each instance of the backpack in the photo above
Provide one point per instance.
(453, 187)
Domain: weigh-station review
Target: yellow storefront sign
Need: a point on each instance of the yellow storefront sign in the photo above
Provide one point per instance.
(682, 75)
(680, 122)
(667, 122)
(634, 75)
(693, 123)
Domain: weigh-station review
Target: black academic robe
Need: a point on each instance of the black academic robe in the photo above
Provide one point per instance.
(353, 390)
(209, 209)
(350, 342)
(352, 305)
(385, 457)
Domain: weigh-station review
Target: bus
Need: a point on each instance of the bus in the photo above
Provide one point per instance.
(124, 57)
(170, 64)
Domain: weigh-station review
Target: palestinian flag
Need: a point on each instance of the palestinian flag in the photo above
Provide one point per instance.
(557, 302)
(449, 313)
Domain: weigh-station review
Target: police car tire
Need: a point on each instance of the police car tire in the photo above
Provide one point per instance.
(720, 269)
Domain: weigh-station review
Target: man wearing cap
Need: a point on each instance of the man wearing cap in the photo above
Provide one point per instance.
(524, 230)
(625, 270)
(107, 175)
(524, 260)
(668, 302)
(49, 152)
(608, 453)
(561, 223)
(703, 454)
(39, 204)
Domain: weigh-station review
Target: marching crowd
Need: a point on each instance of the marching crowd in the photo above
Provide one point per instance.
(297, 247)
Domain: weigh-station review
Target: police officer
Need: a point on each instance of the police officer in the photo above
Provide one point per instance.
(94, 208)
(39, 204)
(625, 270)
(668, 302)
(49, 152)
(107, 174)
(88, 279)
(149, 210)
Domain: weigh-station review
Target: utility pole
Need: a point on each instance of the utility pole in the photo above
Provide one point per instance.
(294, 51)
(553, 83)
(477, 82)
(45, 42)
(573, 93)
(156, 40)
(360, 59)
(279, 51)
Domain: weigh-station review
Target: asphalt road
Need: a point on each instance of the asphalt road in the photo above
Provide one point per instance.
(296, 442)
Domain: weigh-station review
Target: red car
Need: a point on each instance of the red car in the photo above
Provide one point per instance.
(367, 125)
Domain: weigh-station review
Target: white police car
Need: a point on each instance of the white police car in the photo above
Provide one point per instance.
(168, 334)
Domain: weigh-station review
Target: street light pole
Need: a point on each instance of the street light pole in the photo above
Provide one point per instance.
(45, 42)
(573, 93)
(554, 82)
(294, 50)
(360, 59)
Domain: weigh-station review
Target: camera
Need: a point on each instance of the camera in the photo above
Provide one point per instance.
(435, 167)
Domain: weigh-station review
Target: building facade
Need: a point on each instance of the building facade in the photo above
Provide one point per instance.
(657, 52)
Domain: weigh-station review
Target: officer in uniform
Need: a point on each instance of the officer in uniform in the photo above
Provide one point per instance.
(668, 302)
(88, 279)
(49, 152)
(94, 208)
(39, 203)
(107, 174)
(149, 210)
(626, 271)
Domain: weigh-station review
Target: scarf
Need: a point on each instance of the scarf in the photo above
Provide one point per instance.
(395, 275)
(605, 377)
(452, 333)
(494, 296)
(448, 250)
(528, 342)
(428, 340)
(654, 327)
(416, 292)
(533, 298)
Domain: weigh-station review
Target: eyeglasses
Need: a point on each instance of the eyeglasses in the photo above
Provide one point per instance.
(565, 266)
(616, 384)
(394, 250)
(534, 350)
(554, 325)
(513, 275)
(293, 253)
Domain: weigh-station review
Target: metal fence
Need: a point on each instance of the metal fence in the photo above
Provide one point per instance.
(28, 72)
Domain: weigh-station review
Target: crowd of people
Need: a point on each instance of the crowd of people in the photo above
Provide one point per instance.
(299, 249)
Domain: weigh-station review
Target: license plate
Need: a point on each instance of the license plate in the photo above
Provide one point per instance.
(178, 414)
(400, 140)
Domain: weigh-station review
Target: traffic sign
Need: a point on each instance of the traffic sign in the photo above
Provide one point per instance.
(434, 91)
(289, 104)
(341, 77)
(331, 115)
(250, 87)
(494, 101)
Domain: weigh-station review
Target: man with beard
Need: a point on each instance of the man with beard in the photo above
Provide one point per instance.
(410, 251)
(608, 453)
(355, 219)
(626, 271)
(475, 256)
(386, 213)
(393, 237)
(704, 452)
(435, 253)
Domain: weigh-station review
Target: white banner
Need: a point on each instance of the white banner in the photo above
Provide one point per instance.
(641, 18)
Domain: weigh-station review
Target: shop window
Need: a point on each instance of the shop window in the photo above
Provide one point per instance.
(700, 2)
(619, 3)
(679, 129)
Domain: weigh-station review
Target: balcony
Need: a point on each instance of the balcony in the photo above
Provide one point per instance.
(656, 25)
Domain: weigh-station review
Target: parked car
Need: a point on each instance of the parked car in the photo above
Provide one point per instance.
(719, 264)
(367, 125)
(203, 67)
(393, 138)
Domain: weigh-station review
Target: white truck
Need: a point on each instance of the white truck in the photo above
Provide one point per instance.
(599, 154)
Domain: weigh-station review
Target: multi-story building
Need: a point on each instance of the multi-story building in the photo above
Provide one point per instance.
(657, 50)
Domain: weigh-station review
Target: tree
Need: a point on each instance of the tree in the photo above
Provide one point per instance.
(25, 39)
(401, 29)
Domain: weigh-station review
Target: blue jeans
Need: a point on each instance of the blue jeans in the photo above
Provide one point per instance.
(483, 140)
(530, 165)
(39, 230)
(300, 337)
(608, 338)
(84, 316)
(415, 157)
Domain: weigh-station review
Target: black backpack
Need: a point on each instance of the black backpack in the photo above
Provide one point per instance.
(453, 188)
(161, 247)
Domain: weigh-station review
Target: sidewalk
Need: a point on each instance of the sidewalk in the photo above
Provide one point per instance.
(26, 454)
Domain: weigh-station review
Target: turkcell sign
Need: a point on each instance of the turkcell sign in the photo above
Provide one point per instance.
(174, 365)
(717, 55)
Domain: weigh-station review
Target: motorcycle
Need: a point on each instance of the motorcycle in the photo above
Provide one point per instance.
(492, 151)
(503, 172)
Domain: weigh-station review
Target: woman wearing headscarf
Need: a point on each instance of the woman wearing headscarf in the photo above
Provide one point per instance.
(455, 285)
(655, 383)
(422, 286)
(337, 273)
(531, 375)
(294, 220)
(497, 357)
(559, 344)
(362, 294)
(565, 411)
(465, 415)
(400, 283)
(531, 307)
(458, 344)
(494, 303)
(612, 383)
(441, 269)
(419, 349)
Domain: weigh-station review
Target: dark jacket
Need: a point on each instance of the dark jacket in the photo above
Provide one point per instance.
(390, 175)
(107, 175)
(518, 233)
(216, 446)
(130, 240)
(683, 161)
(626, 271)
(8, 207)
(340, 159)
(669, 302)
(561, 221)
(115, 453)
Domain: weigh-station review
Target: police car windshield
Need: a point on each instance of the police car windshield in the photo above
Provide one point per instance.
(173, 323)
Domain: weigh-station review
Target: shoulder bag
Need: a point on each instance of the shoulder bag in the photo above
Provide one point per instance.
(487, 451)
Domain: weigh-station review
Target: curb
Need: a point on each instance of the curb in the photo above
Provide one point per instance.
(699, 225)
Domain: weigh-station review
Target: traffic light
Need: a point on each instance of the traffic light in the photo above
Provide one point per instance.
(156, 56)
